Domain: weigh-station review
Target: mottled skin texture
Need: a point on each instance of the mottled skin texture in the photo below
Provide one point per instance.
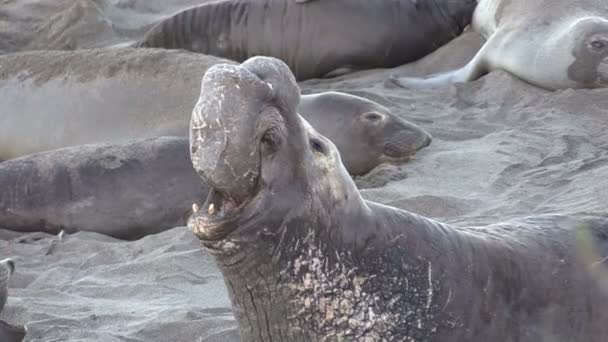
(8, 332)
(127, 190)
(80, 97)
(306, 258)
(315, 38)
(553, 44)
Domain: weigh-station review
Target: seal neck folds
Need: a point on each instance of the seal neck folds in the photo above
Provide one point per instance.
(284, 220)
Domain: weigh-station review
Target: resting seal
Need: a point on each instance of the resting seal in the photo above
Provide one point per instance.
(553, 44)
(132, 189)
(72, 98)
(306, 258)
(127, 190)
(8, 333)
(317, 38)
(366, 133)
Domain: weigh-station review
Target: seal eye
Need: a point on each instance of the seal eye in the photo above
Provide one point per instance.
(372, 116)
(271, 139)
(317, 145)
(599, 44)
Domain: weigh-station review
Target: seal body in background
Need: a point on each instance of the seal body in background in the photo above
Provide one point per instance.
(553, 44)
(315, 38)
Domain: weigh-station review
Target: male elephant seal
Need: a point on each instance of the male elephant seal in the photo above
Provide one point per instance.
(315, 38)
(8, 332)
(81, 97)
(553, 44)
(305, 258)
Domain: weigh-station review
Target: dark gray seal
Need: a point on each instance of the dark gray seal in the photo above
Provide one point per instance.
(306, 258)
(126, 190)
(99, 96)
(316, 38)
(365, 132)
(8, 332)
(553, 44)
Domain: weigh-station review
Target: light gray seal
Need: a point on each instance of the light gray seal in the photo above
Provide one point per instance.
(306, 258)
(55, 99)
(315, 38)
(553, 44)
(8, 332)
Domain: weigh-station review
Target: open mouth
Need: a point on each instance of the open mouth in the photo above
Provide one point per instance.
(220, 207)
(211, 219)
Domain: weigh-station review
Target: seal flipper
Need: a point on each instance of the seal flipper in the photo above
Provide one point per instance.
(477, 67)
(128, 44)
(340, 71)
(11, 333)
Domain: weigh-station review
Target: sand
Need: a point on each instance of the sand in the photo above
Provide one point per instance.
(502, 149)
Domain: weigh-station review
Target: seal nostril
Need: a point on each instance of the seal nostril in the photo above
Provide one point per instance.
(317, 145)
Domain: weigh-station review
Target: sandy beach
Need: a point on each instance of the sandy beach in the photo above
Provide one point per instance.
(501, 149)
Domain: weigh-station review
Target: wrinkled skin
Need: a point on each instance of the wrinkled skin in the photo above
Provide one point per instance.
(8, 332)
(316, 38)
(305, 258)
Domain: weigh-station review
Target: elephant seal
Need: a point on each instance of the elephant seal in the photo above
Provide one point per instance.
(92, 96)
(126, 190)
(306, 258)
(553, 44)
(365, 132)
(316, 38)
(8, 332)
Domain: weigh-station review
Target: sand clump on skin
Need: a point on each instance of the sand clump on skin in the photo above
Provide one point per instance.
(501, 149)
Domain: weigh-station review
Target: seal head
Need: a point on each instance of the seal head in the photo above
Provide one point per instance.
(292, 171)
(365, 132)
(590, 51)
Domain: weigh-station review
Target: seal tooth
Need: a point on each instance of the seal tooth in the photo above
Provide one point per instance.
(211, 209)
(194, 208)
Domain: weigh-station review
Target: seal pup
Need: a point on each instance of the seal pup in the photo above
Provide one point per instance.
(8, 332)
(315, 38)
(552, 44)
(93, 96)
(306, 258)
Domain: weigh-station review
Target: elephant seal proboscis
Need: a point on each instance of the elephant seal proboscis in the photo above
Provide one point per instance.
(553, 44)
(316, 38)
(8, 332)
(99, 96)
(306, 258)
